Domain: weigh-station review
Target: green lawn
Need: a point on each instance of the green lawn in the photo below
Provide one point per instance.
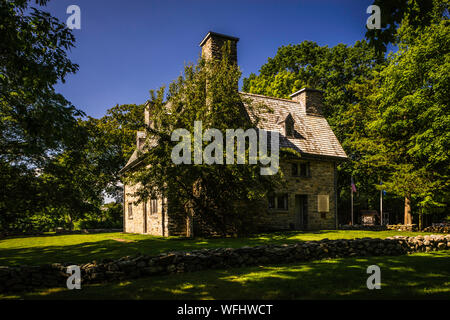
(417, 276)
(88, 247)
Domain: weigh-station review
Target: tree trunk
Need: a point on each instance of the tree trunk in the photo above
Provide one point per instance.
(190, 221)
(70, 222)
(420, 219)
(407, 218)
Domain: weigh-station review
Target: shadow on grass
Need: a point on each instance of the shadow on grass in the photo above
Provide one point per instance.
(114, 248)
(418, 276)
(88, 247)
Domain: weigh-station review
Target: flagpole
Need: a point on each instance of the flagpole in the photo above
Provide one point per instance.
(381, 206)
(352, 205)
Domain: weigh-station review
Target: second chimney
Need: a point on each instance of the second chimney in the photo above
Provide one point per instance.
(311, 99)
(212, 46)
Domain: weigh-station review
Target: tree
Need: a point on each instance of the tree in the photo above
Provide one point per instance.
(35, 120)
(223, 197)
(112, 140)
(418, 13)
(36, 123)
(407, 127)
(75, 182)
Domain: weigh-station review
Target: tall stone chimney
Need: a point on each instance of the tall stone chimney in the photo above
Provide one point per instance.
(311, 100)
(212, 46)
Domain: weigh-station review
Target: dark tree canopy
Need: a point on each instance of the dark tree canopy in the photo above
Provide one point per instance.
(36, 123)
(418, 13)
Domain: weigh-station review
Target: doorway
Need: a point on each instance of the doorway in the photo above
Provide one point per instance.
(301, 212)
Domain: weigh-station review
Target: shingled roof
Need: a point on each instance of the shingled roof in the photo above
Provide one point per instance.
(313, 135)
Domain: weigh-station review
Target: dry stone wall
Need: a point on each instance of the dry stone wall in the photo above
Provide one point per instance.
(439, 229)
(27, 278)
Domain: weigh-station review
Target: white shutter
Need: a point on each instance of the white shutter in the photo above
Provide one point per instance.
(323, 203)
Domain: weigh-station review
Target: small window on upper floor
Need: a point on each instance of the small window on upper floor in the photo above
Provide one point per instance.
(271, 201)
(130, 211)
(301, 169)
(153, 206)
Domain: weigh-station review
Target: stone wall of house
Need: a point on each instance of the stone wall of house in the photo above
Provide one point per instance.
(27, 278)
(170, 220)
(320, 182)
(157, 222)
(176, 219)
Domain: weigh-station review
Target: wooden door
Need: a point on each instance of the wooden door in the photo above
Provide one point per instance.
(301, 212)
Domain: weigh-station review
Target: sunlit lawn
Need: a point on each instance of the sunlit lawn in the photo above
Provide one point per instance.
(88, 247)
(417, 276)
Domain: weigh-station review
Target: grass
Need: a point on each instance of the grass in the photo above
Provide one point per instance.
(82, 248)
(417, 276)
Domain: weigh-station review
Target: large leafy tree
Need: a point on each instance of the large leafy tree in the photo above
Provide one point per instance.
(36, 123)
(222, 196)
(112, 140)
(35, 120)
(407, 136)
(418, 13)
(76, 181)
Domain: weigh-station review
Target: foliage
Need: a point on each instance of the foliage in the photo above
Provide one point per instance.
(418, 13)
(36, 123)
(35, 120)
(109, 217)
(112, 140)
(412, 115)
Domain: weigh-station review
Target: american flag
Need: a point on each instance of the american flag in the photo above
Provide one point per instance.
(353, 186)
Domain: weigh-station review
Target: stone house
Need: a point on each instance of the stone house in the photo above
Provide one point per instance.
(307, 200)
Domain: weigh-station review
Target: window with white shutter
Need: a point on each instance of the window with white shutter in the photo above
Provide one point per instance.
(323, 203)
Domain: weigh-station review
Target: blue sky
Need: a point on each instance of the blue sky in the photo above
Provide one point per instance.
(126, 48)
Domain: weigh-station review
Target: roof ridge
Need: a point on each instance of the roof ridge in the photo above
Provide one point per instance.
(268, 97)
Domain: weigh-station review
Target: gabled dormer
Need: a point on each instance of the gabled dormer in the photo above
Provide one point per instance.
(289, 126)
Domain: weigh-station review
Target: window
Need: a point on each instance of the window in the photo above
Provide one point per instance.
(295, 169)
(130, 211)
(271, 202)
(289, 126)
(323, 203)
(153, 206)
(279, 202)
(301, 169)
(304, 169)
(282, 200)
